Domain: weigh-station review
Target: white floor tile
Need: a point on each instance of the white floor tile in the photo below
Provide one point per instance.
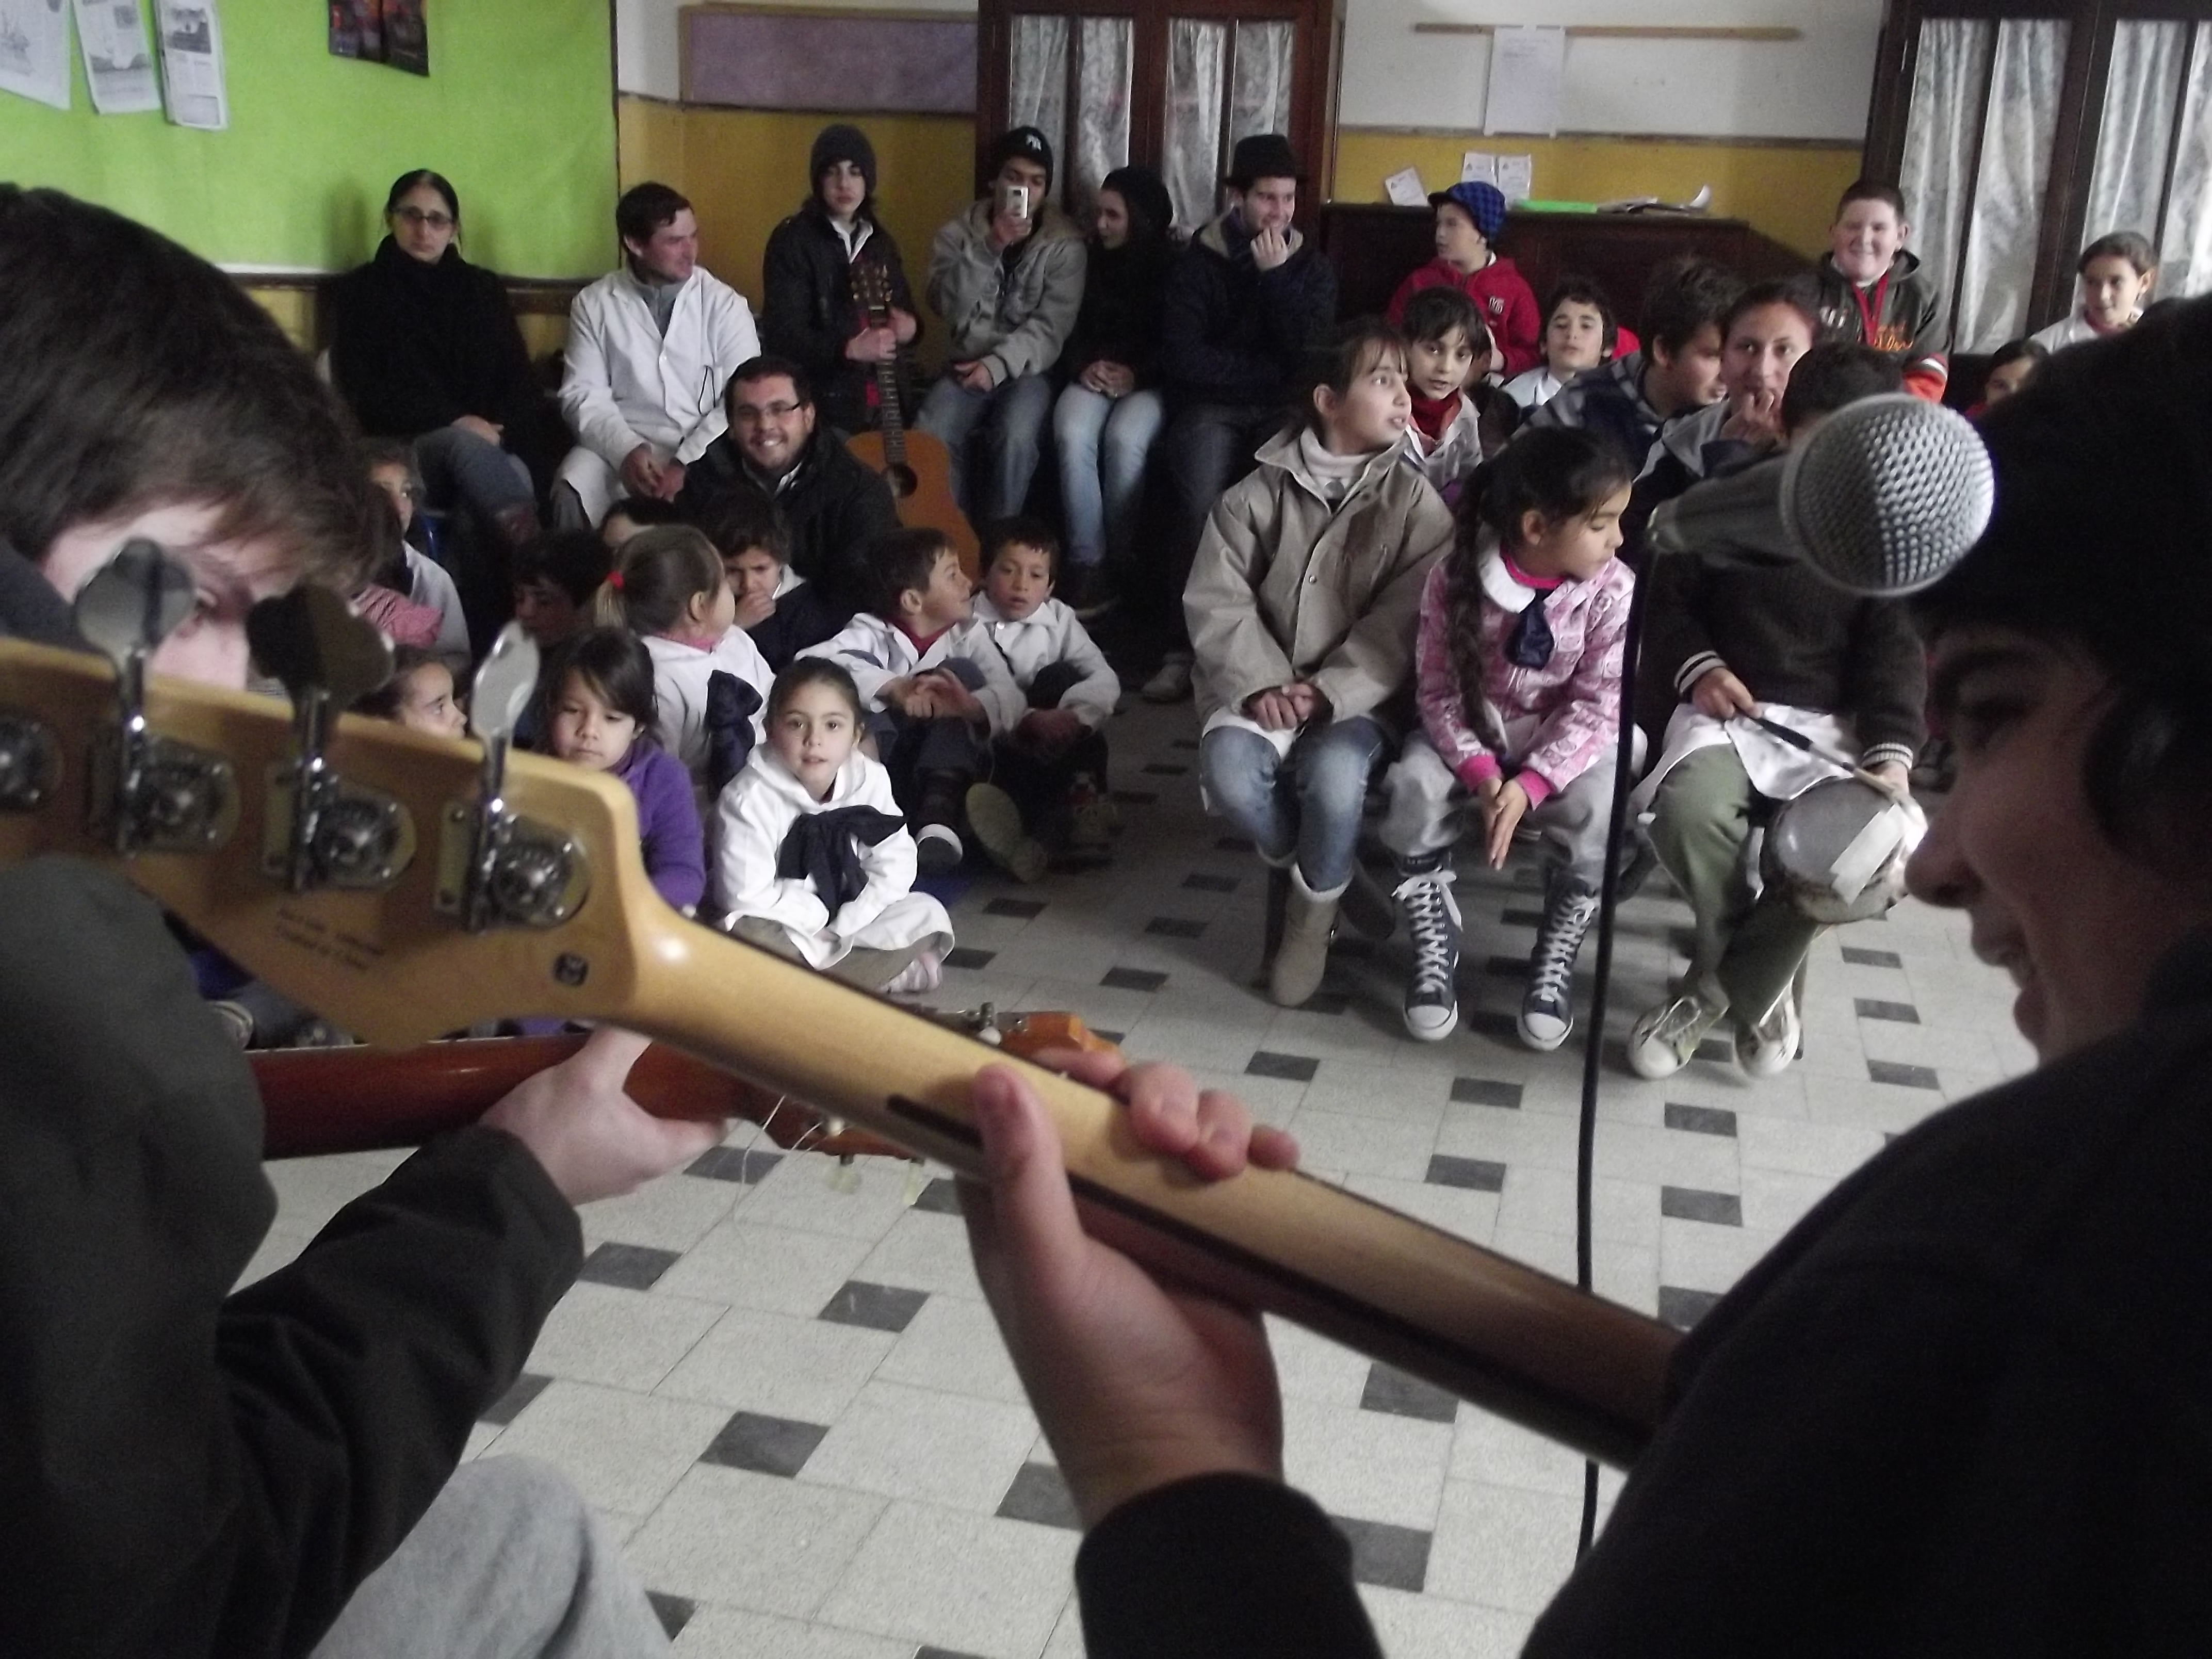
(672, 1213)
(1365, 1146)
(1370, 1466)
(775, 1269)
(1503, 1546)
(953, 1346)
(937, 1448)
(623, 1450)
(717, 1633)
(925, 1250)
(806, 1369)
(1429, 1627)
(754, 1541)
(971, 1582)
(624, 1339)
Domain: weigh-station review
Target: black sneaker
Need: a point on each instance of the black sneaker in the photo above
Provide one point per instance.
(936, 850)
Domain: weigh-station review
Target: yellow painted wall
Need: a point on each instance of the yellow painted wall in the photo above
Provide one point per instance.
(1788, 191)
(745, 170)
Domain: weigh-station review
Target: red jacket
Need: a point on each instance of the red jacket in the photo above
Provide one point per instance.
(1500, 294)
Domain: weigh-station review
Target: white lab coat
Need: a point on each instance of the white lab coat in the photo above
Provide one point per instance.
(1052, 633)
(757, 809)
(875, 653)
(626, 384)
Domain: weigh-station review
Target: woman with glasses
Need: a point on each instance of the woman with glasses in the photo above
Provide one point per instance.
(426, 348)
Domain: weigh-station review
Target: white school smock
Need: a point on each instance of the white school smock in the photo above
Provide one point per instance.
(1053, 633)
(681, 674)
(875, 653)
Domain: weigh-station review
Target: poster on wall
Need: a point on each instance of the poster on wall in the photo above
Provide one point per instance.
(406, 37)
(118, 56)
(34, 51)
(192, 64)
(358, 29)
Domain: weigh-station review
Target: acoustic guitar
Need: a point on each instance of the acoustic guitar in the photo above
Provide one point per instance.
(915, 465)
(404, 886)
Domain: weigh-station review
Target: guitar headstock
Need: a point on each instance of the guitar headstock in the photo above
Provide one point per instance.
(400, 921)
(871, 288)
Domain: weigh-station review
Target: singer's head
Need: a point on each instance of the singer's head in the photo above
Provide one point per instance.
(2073, 670)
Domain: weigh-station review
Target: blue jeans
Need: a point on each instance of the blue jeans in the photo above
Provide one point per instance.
(1103, 442)
(1011, 416)
(1306, 803)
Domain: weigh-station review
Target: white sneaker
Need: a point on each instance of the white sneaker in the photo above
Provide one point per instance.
(1663, 1041)
(996, 822)
(1765, 1048)
(1170, 682)
(925, 973)
(936, 850)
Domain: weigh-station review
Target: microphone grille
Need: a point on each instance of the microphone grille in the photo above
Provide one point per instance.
(1888, 494)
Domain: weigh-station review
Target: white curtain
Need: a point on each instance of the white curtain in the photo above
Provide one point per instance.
(2135, 135)
(2185, 242)
(1196, 51)
(2026, 76)
(1104, 49)
(1952, 72)
(1259, 85)
(1037, 85)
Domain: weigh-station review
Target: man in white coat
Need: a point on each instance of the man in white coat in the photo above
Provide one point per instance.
(650, 349)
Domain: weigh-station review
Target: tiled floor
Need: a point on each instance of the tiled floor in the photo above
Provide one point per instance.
(787, 1397)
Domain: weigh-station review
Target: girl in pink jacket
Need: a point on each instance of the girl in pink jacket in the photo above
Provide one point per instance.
(1517, 668)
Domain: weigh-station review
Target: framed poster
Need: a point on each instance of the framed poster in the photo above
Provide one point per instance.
(358, 29)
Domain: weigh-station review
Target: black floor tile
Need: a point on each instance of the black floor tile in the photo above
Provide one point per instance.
(1864, 958)
(743, 1163)
(1175, 928)
(766, 1446)
(1906, 1076)
(673, 1612)
(633, 1267)
(966, 956)
(943, 1653)
(1477, 1175)
(1039, 1494)
(878, 1307)
(1701, 1119)
(1105, 1035)
(1133, 979)
(1189, 745)
(1297, 1068)
(1391, 1390)
(1903, 1013)
(1485, 1092)
(1206, 883)
(1688, 1204)
(1492, 1023)
(1327, 1002)
(940, 1197)
(1506, 967)
(1395, 1557)
(509, 1407)
(1718, 1048)
(1517, 917)
(1232, 844)
(1020, 909)
(1682, 1309)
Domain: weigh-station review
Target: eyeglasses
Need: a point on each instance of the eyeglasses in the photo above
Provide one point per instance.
(414, 216)
(767, 412)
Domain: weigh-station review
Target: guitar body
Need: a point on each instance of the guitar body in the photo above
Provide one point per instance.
(921, 485)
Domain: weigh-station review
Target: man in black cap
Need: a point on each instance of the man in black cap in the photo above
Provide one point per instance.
(1244, 304)
(1007, 277)
(811, 315)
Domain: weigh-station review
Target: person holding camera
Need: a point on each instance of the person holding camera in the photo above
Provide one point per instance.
(1007, 277)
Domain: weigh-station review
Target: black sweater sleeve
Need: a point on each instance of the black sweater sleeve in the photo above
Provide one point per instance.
(1886, 681)
(1224, 1566)
(798, 320)
(1676, 637)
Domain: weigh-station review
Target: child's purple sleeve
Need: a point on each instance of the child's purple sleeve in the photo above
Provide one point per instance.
(674, 845)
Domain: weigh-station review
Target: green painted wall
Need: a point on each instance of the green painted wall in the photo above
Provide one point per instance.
(518, 112)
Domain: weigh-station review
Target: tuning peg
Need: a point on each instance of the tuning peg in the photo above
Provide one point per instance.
(311, 640)
(134, 601)
(517, 873)
(504, 685)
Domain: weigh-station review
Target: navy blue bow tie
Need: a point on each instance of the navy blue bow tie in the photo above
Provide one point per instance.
(1529, 643)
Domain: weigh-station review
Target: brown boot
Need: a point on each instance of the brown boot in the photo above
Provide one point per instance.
(1309, 919)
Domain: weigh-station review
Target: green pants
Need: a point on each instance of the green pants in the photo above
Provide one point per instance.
(1750, 949)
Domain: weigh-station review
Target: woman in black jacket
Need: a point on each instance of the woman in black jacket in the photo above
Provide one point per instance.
(810, 315)
(1110, 412)
(427, 349)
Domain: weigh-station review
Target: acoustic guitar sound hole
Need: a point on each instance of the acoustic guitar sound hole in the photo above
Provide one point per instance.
(900, 476)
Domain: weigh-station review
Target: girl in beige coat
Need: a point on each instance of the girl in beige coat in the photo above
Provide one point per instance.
(1302, 606)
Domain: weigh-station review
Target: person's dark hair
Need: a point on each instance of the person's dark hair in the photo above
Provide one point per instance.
(1794, 293)
(574, 561)
(420, 176)
(748, 519)
(376, 452)
(1561, 473)
(2101, 544)
(645, 209)
(383, 703)
(765, 366)
(1833, 373)
(1359, 346)
(657, 574)
(2013, 351)
(646, 512)
(1685, 294)
(390, 452)
(1872, 190)
(900, 561)
(803, 672)
(1581, 291)
(162, 382)
(1433, 313)
(1021, 529)
(2129, 245)
(614, 663)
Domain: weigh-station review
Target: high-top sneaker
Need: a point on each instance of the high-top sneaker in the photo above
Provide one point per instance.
(1431, 915)
(1547, 1007)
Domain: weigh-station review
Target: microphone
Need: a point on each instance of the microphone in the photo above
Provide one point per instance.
(1887, 494)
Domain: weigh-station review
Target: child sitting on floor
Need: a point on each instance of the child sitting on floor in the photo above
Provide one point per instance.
(935, 694)
(781, 611)
(1301, 604)
(419, 696)
(598, 714)
(1054, 761)
(1518, 673)
(556, 576)
(709, 681)
(1579, 333)
(1458, 420)
(1468, 218)
(812, 860)
(2118, 273)
(414, 572)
